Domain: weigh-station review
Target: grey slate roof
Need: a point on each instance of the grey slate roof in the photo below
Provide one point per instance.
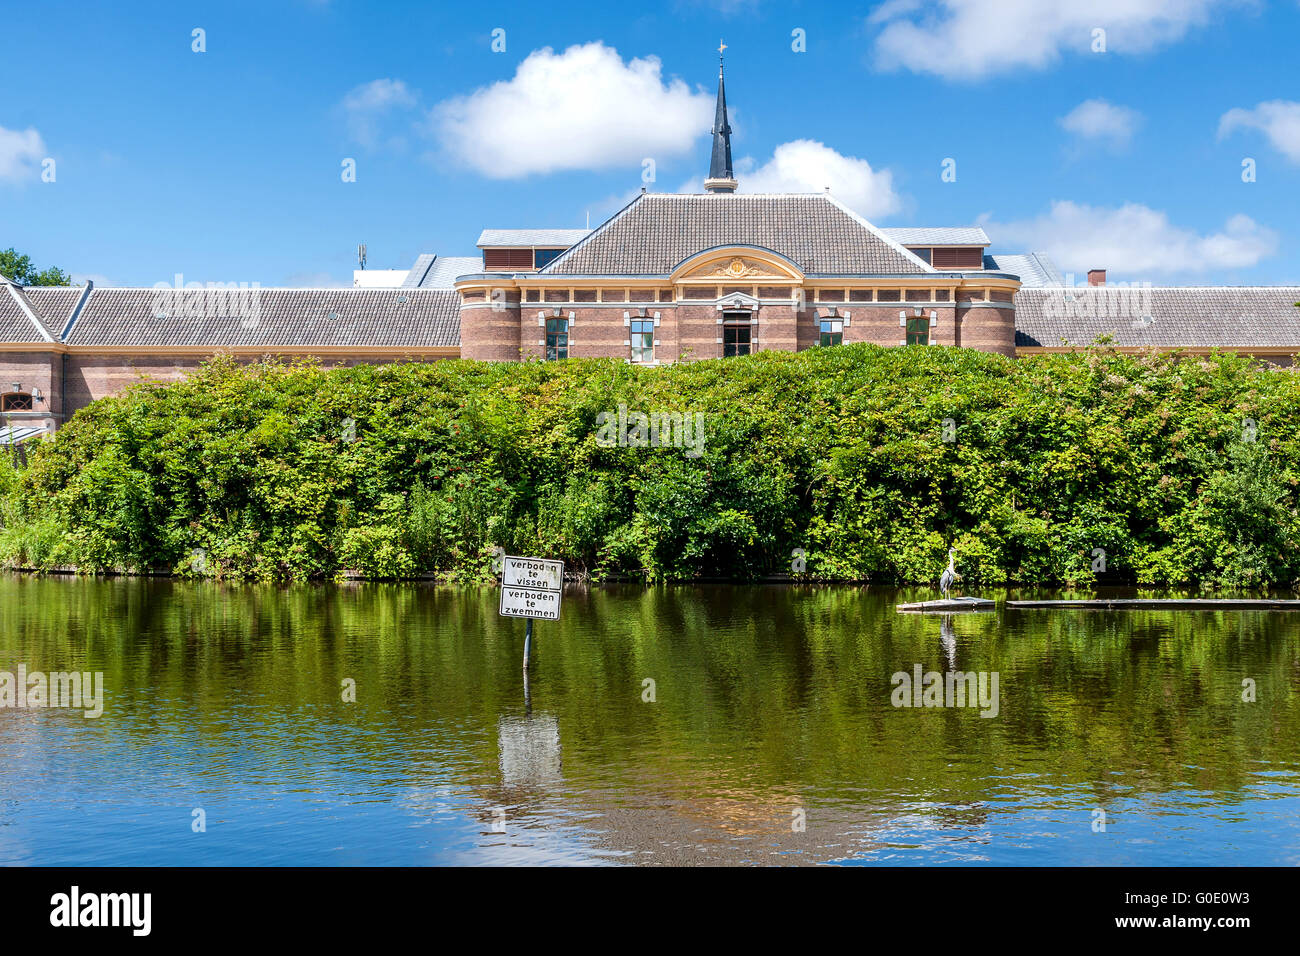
(1035, 269)
(16, 324)
(415, 275)
(440, 272)
(656, 231)
(272, 318)
(54, 305)
(1220, 317)
(35, 313)
(511, 238)
(938, 235)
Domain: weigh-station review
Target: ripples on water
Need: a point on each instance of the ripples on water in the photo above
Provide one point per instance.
(772, 705)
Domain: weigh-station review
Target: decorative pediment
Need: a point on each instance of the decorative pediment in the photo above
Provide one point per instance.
(739, 268)
(735, 265)
(738, 301)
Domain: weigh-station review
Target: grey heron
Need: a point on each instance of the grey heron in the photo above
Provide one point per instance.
(949, 575)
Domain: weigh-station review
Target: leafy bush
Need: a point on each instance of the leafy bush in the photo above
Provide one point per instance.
(874, 460)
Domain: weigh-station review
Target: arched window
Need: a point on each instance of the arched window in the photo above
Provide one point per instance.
(16, 402)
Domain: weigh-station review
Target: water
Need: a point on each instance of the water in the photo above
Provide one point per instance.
(771, 706)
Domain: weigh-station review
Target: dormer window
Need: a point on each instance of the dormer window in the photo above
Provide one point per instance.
(950, 257)
(498, 259)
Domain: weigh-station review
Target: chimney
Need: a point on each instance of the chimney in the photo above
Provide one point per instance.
(1096, 277)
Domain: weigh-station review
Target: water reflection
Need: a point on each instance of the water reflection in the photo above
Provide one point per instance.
(771, 713)
(948, 638)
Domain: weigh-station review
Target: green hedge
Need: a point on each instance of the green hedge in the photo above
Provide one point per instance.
(248, 471)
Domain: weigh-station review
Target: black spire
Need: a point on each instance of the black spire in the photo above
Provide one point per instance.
(722, 177)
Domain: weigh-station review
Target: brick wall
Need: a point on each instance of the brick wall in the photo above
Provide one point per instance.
(778, 328)
(34, 370)
(491, 334)
(698, 331)
(988, 329)
(691, 330)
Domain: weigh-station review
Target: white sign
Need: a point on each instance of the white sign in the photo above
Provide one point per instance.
(532, 573)
(531, 587)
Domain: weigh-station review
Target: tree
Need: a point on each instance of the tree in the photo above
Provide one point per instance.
(19, 268)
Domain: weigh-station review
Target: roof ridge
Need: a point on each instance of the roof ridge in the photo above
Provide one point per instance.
(15, 290)
(76, 311)
(547, 269)
(897, 246)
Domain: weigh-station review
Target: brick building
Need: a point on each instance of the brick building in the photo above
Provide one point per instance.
(668, 278)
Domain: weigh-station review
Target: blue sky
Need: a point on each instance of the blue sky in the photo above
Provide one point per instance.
(226, 165)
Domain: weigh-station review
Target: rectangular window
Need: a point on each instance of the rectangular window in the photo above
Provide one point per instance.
(557, 339)
(494, 259)
(918, 331)
(923, 254)
(735, 339)
(543, 257)
(16, 402)
(970, 257)
(643, 340)
(832, 332)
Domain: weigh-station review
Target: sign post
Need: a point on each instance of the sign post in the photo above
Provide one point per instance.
(531, 588)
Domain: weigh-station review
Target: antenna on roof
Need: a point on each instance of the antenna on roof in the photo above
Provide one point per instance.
(361, 254)
(588, 218)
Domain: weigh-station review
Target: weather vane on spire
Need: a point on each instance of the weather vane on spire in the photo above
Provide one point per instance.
(722, 179)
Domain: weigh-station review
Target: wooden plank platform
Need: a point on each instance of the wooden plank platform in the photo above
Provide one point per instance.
(1164, 604)
(948, 606)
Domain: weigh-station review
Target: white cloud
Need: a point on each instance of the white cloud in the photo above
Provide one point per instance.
(1100, 120)
(969, 39)
(1134, 240)
(1279, 120)
(580, 109)
(20, 153)
(366, 106)
(806, 166)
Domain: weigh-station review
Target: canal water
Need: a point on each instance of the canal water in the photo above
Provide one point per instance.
(674, 725)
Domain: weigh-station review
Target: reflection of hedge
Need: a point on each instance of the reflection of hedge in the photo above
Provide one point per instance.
(1182, 471)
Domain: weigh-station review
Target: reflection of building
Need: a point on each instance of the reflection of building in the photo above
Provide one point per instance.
(670, 277)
